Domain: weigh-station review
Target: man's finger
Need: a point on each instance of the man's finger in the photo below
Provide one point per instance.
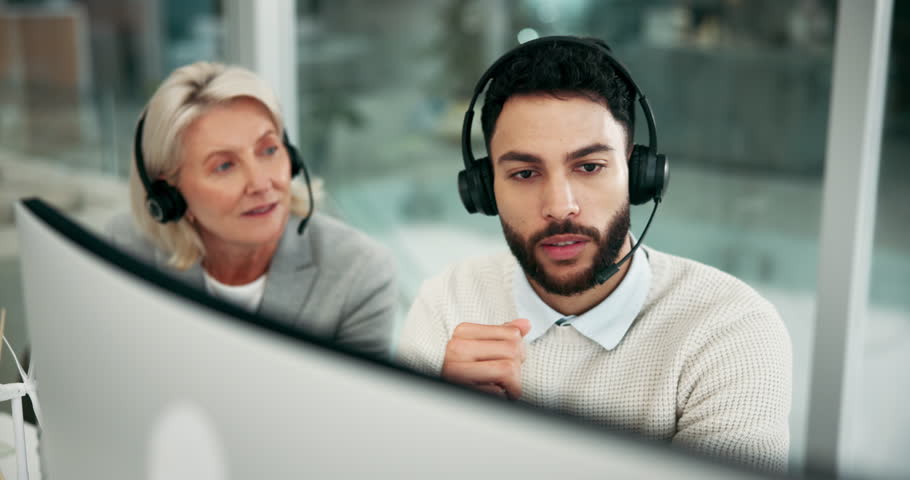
(494, 390)
(522, 324)
(462, 350)
(476, 331)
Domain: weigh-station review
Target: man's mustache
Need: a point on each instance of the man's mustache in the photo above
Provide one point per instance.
(566, 227)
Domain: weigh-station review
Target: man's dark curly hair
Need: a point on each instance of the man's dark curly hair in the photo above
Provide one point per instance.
(561, 69)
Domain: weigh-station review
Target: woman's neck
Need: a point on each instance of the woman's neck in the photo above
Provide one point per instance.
(234, 265)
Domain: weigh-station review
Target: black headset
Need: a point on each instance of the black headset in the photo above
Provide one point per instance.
(166, 204)
(649, 171)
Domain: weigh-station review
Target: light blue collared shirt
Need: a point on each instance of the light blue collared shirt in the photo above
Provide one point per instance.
(606, 323)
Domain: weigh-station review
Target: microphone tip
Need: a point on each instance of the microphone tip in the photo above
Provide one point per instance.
(604, 274)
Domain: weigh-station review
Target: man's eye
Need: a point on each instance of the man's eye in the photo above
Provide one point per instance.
(524, 174)
(591, 167)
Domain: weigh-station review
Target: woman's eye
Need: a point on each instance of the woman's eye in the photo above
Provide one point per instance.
(271, 150)
(591, 167)
(224, 166)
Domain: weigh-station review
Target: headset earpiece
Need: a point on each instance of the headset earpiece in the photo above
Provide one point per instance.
(475, 186)
(297, 166)
(293, 155)
(648, 175)
(164, 202)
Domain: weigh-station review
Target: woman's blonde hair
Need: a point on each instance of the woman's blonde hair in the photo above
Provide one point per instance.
(184, 96)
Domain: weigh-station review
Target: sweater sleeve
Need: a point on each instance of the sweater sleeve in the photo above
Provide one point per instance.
(424, 337)
(735, 391)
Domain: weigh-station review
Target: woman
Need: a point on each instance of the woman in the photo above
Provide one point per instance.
(212, 201)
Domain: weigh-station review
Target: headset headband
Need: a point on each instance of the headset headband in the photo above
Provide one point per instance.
(140, 159)
(467, 152)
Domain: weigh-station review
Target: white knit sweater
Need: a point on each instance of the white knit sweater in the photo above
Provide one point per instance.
(706, 365)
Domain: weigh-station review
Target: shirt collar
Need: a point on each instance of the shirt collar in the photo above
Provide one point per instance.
(606, 323)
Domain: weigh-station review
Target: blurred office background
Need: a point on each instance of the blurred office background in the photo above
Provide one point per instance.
(741, 92)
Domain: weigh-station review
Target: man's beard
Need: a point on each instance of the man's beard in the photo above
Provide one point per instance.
(608, 249)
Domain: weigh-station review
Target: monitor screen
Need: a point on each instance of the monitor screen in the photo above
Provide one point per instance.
(142, 377)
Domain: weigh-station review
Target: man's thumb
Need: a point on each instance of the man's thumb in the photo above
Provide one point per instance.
(523, 324)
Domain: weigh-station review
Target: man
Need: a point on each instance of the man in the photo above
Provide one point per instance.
(665, 347)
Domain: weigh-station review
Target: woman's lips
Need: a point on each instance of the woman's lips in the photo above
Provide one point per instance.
(261, 210)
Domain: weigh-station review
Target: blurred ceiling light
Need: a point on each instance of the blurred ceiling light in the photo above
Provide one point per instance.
(527, 34)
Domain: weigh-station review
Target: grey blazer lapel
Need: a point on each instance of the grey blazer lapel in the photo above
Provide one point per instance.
(291, 275)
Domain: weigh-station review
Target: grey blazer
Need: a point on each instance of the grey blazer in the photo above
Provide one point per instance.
(333, 281)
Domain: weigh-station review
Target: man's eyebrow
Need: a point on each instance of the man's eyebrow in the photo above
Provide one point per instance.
(513, 156)
(585, 151)
(516, 156)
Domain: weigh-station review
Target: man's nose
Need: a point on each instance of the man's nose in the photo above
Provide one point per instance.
(559, 202)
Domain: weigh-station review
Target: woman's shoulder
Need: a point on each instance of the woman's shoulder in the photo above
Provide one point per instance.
(121, 226)
(327, 229)
(122, 231)
(332, 237)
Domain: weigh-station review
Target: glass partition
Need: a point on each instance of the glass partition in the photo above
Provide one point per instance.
(881, 417)
(74, 75)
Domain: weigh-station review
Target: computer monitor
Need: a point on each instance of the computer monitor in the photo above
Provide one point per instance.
(142, 377)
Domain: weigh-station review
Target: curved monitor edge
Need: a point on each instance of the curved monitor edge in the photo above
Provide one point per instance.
(113, 256)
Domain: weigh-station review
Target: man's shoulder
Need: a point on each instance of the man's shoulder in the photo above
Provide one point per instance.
(470, 280)
(479, 270)
(694, 289)
(701, 306)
